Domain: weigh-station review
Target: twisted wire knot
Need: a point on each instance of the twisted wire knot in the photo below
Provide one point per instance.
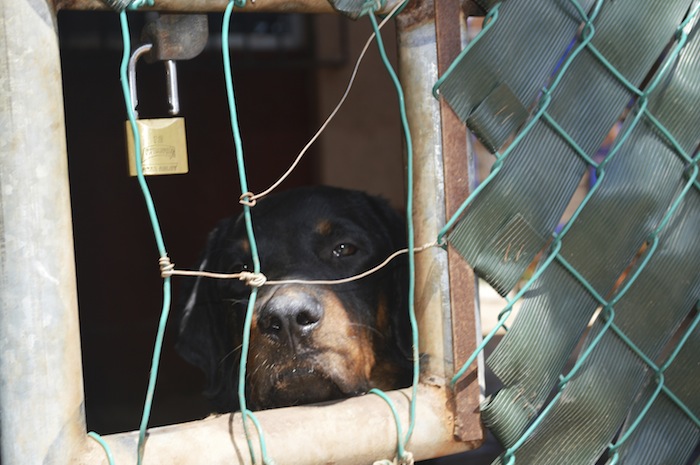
(247, 198)
(253, 279)
(406, 459)
(371, 6)
(166, 267)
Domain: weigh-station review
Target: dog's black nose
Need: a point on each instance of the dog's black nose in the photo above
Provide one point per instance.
(290, 317)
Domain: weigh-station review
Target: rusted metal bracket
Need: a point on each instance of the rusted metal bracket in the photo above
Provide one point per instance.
(175, 36)
(457, 187)
(430, 34)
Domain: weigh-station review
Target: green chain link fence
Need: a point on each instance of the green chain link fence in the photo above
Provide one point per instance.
(542, 86)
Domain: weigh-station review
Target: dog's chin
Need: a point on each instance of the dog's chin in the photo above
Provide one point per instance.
(298, 386)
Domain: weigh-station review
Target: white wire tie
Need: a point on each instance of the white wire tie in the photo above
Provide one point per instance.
(407, 459)
(253, 279)
(247, 198)
(166, 267)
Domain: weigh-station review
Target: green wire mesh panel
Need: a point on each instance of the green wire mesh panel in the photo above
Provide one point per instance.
(548, 81)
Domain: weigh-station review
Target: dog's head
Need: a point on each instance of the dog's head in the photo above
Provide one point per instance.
(308, 343)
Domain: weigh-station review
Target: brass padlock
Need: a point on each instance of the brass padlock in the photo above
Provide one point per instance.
(163, 141)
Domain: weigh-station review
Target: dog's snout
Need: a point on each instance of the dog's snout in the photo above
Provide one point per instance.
(290, 317)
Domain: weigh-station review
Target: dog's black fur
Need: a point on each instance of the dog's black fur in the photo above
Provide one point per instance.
(309, 343)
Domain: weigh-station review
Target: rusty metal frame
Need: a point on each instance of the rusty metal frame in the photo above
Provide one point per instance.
(41, 393)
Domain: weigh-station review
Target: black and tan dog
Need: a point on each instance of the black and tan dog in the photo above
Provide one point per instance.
(309, 343)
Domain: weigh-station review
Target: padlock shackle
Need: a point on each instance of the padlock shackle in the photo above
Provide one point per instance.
(138, 53)
(171, 80)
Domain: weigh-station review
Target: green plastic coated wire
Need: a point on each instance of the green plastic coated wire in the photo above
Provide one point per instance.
(246, 414)
(544, 103)
(104, 445)
(167, 292)
(150, 206)
(608, 313)
(401, 452)
(661, 387)
(136, 4)
(489, 21)
(497, 166)
(505, 313)
(410, 232)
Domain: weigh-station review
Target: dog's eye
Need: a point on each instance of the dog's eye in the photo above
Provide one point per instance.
(344, 250)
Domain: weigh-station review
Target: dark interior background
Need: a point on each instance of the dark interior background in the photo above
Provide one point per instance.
(119, 287)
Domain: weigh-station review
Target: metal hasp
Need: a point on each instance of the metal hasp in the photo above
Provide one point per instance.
(429, 39)
(175, 36)
(41, 391)
(167, 38)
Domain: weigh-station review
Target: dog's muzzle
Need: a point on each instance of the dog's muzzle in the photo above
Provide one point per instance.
(289, 317)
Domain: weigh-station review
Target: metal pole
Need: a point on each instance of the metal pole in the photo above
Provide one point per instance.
(459, 174)
(41, 390)
(446, 296)
(417, 56)
(359, 430)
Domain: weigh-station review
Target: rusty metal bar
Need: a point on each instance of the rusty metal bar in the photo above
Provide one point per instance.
(357, 430)
(41, 391)
(446, 300)
(457, 156)
(203, 6)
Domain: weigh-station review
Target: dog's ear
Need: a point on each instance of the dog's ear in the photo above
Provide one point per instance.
(400, 320)
(205, 337)
(395, 228)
